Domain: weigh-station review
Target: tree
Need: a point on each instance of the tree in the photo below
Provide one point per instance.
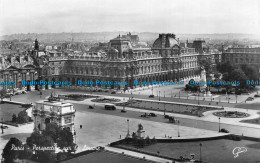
(14, 118)
(65, 140)
(22, 117)
(3, 94)
(9, 154)
(250, 71)
(63, 137)
(240, 76)
(207, 63)
(38, 140)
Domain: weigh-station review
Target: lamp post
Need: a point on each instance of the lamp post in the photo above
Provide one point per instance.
(178, 128)
(159, 96)
(180, 95)
(198, 98)
(164, 110)
(218, 124)
(236, 99)
(75, 137)
(164, 94)
(200, 153)
(128, 134)
(2, 127)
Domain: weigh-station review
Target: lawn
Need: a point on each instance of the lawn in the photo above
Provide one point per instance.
(252, 121)
(215, 151)
(7, 110)
(174, 108)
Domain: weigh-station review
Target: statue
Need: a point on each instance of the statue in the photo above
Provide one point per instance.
(203, 77)
(140, 131)
(204, 86)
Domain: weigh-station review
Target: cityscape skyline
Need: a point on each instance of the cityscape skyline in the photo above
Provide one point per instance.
(213, 17)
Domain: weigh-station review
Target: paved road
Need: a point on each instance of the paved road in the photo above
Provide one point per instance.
(34, 96)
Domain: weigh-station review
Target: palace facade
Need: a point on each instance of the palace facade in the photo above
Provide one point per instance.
(124, 58)
(166, 60)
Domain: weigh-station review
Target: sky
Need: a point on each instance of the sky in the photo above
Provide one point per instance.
(173, 16)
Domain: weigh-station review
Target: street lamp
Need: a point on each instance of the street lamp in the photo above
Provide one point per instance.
(164, 94)
(164, 110)
(200, 153)
(159, 96)
(218, 124)
(198, 98)
(236, 99)
(178, 128)
(2, 127)
(75, 137)
(128, 134)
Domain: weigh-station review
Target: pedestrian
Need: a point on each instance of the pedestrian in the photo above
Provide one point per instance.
(120, 136)
(80, 126)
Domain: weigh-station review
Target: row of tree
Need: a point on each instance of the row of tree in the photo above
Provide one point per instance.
(52, 136)
(240, 73)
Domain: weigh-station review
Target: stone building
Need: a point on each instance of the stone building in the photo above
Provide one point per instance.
(123, 61)
(53, 111)
(242, 56)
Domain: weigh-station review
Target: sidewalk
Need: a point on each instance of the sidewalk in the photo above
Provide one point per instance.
(140, 155)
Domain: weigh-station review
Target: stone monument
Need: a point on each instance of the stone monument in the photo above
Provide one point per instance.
(204, 86)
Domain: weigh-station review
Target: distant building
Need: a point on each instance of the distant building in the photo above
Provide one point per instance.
(242, 56)
(131, 38)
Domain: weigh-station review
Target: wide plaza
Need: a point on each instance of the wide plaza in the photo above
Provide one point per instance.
(101, 127)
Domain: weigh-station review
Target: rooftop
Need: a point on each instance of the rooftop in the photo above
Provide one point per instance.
(53, 103)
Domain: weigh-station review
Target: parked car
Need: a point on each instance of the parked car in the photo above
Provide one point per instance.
(250, 99)
(4, 127)
(257, 95)
(9, 94)
(123, 111)
(171, 119)
(113, 92)
(151, 96)
(224, 130)
(91, 107)
(144, 115)
(152, 115)
(167, 116)
(110, 107)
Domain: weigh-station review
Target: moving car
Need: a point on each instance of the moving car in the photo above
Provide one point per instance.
(113, 92)
(151, 96)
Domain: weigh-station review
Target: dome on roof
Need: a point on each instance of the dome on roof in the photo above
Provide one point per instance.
(165, 41)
